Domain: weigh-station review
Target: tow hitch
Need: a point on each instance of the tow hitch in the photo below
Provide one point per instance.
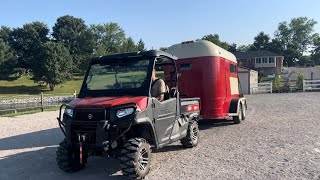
(82, 139)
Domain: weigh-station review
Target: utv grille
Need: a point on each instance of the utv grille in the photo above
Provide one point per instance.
(85, 123)
(90, 114)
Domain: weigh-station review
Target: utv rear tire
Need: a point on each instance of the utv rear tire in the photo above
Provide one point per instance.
(68, 160)
(135, 158)
(191, 140)
(239, 118)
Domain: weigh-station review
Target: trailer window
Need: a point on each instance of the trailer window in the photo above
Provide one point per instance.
(233, 68)
(185, 67)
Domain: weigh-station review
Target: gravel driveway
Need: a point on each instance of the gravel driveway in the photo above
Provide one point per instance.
(280, 139)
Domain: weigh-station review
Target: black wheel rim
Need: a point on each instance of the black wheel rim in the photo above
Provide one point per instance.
(143, 159)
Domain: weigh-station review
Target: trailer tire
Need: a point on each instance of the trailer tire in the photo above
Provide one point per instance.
(192, 138)
(135, 158)
(239, 118)
(244, 113)
(68, 160)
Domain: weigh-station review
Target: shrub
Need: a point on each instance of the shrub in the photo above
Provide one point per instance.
(300, 81)
(276, 84)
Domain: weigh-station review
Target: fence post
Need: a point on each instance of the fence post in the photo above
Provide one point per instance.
(42, 102)
(303, 88)
(75, 94)
(271, 87)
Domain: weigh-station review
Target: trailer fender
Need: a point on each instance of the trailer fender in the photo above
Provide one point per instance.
(235, 106)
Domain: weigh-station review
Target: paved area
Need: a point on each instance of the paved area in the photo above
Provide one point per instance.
(280, 139)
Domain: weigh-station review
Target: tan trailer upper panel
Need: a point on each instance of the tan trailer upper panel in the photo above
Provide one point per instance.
(200, 48)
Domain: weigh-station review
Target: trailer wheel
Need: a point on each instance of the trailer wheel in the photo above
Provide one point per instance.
(243, 112)
(239, 118)
(69, 160)
(135, 158)
(191, 140)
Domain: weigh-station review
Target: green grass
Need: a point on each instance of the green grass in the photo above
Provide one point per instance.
(24, 87)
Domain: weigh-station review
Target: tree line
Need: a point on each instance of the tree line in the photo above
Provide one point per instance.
(296, 40)
(52, 57)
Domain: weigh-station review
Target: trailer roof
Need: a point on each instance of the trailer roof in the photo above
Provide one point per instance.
(200, 48)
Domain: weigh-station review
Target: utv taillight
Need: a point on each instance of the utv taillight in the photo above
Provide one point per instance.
(193, 107)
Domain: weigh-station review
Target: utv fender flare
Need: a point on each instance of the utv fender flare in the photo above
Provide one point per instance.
(235, 105)
(146, 123)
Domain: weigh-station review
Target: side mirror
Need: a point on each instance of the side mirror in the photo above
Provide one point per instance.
(178, 74)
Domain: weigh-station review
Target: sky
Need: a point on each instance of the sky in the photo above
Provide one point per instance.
(167, 22)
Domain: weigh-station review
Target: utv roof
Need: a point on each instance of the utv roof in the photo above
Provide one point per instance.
(150, 53)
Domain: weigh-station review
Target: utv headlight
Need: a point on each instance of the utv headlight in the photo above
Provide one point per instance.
(125, 112)
(69, 112)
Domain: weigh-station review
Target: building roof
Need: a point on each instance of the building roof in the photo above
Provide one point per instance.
(200, 48)
(253, 54)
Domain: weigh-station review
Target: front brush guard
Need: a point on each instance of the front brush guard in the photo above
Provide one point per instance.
(61, 124)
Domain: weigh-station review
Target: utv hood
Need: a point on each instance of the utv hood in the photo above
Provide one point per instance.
(92, 102)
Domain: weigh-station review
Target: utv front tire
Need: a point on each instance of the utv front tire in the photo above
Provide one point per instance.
(68, 160)
(135, 158)
(191, 140)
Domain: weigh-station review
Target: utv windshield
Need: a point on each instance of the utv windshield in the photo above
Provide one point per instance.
(118, 75)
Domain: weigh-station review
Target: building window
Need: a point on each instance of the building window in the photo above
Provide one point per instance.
(258, 60)
(264, 60)
(271, 59)
(233, 68)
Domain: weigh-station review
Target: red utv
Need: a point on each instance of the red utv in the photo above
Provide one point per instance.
(115, 115)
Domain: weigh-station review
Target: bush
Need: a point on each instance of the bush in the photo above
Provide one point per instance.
(276, 84)
(300, 81)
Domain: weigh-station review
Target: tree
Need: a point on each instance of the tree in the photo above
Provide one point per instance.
(261, 42)
(8, 62)
(26, 42)
(5, 33)
(54, 65)
(129, 45)
(75, 36)
(315, 53)
(109, 38)
(214, 38)
(141, 45)
(232, 47)
(243, 48)
(295, 37)
(276, 46)
(5, 52)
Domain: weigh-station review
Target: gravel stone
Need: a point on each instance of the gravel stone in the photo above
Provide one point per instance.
(280, 139)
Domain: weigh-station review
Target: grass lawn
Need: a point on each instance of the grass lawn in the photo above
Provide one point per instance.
(24, 87)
